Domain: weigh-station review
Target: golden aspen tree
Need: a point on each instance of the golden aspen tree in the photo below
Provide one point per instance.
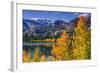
(26, 56)
(36, 55)
(43, 58)
(82, 40)
(60, 49)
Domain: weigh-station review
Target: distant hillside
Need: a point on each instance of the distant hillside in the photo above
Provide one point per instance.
(45, 28)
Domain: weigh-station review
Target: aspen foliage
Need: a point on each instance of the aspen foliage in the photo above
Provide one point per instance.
(43, 58)
(60, 49)
(82, 40)
(37, 55)
(26, 56)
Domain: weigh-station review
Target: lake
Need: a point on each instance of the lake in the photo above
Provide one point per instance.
(39, 43)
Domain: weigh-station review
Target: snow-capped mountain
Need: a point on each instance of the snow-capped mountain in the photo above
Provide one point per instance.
(37, 25)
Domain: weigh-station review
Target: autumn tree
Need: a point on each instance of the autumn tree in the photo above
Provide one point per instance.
(60, 49)
(82, 40)
(43, 57)
(26, 56)
(36, 55)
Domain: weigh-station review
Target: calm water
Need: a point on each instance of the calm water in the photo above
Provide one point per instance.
(40, 43)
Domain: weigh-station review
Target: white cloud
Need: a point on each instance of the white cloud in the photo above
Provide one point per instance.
(85, 15)
(34, 18)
